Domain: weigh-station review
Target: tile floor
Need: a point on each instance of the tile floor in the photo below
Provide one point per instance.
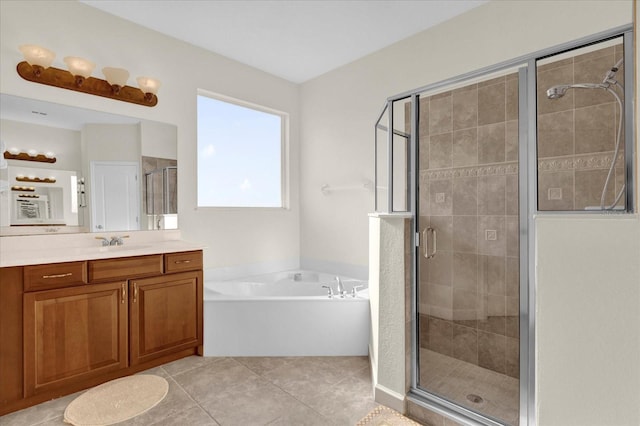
(244, 391)
(455, 379)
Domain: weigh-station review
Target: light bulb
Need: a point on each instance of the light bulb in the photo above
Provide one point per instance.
(80, 68)
(38, 57)
(149, 87)
(116, 77)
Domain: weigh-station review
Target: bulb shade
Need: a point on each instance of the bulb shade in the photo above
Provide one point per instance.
(36, 55)
(79, 67)
(117, 76)
(148, 85)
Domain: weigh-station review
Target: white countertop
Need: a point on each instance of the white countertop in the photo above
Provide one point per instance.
(33, 250)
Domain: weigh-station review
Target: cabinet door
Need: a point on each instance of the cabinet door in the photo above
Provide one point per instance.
(166, 315)
(74, 334)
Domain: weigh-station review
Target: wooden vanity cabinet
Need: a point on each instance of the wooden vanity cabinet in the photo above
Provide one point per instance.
(69, 326)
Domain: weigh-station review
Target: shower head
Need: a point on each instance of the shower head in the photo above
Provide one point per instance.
(556, 92)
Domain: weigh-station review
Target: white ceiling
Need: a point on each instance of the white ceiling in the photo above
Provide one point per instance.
(43, 113)
(295, 40)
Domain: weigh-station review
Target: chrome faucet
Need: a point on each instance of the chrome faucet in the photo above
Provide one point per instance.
(329, 291)
(105, 242)
(341, 291)
(117, 241)
(354, 290)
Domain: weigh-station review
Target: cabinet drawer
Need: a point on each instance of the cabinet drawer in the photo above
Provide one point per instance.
(54, 275)
(185, 261)
(125, 268)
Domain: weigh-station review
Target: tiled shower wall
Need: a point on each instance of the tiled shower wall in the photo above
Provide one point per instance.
(469, 292)
(150, 164)
(576, 133)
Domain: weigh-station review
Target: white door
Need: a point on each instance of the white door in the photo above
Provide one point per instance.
(115, 196)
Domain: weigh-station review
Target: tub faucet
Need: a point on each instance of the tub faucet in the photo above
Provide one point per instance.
(341, 291)
(329, 291)
(354, 290)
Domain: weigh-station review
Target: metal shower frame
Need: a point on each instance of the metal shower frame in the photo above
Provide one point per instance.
(527, 177)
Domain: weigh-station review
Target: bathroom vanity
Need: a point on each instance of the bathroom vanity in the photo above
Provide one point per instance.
(94, 314)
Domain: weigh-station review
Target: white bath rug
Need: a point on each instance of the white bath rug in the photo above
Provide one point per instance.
(116, 401)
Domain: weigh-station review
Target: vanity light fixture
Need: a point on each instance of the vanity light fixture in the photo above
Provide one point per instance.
(36, 68)
(23, 188)
(80, 68)
(36, 179)
(30, 155)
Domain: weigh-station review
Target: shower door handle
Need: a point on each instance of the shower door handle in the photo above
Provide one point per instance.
(434, 238)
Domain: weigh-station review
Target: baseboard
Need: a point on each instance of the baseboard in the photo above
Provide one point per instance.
(390, 399)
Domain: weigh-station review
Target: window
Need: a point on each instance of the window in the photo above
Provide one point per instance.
(241, 154)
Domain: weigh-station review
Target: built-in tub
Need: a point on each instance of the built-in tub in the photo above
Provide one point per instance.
(285, 314)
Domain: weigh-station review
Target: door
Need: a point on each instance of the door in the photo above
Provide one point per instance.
(468, 254)
(115, 196)
(165, 315)
(73, 334)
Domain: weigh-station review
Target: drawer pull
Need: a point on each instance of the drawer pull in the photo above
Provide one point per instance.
(68, 274)
(135, 292)
(177, 262)
(124, 293)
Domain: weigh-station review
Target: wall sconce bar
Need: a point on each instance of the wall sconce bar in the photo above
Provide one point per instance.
(35, 179)
(26, 157)
(94, 86)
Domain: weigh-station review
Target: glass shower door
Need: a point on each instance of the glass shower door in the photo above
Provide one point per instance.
(468, 254)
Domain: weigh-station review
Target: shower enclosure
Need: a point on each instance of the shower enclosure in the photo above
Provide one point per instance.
(160, 192)
(473, 158)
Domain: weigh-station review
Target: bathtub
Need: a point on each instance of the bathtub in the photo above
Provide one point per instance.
(285, 314)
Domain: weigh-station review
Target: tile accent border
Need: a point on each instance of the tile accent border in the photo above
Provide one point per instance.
(576, 162)
(501, 169)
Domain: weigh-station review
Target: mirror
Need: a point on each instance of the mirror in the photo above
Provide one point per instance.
(65, 169)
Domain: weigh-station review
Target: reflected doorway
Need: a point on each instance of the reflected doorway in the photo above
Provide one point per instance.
(115, 197)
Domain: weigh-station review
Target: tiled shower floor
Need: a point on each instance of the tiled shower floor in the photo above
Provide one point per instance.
(455, 379)
(244, 391)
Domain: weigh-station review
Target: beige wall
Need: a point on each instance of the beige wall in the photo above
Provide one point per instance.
(69, 28)
(579, 380)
